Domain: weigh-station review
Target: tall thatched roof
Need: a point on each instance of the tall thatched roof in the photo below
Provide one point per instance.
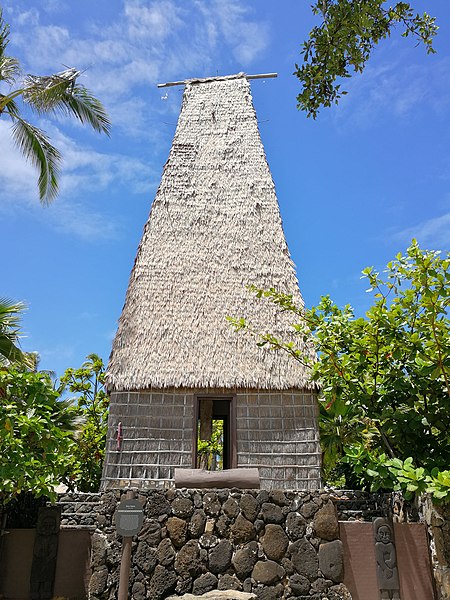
(214, 228)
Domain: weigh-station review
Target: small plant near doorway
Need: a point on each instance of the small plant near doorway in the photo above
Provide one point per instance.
(210, 452)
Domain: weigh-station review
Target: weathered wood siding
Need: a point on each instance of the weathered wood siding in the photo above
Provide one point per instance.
(276, 432)
(157, 436)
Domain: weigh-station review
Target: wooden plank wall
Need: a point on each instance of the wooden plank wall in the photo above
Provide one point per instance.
(276, 432)
(157, 436)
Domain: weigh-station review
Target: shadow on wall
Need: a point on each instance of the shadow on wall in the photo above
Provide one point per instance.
(73, 570)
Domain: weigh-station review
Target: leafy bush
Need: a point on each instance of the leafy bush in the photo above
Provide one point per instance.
(384, 377)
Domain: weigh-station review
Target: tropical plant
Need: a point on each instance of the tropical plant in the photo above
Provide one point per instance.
(10, 318)
(92, 404)
(210, 452)
(344, 41)
(341, 426)
(388, 371)
(36, 434)
(57, 94)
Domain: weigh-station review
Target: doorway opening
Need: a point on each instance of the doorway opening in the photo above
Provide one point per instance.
(214, 434)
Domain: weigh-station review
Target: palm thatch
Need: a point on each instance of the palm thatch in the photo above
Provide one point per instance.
(214, 228)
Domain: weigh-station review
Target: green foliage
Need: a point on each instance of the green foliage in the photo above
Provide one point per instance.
(344, 41)
(10, 317)
(210, 452)
(378, 472)
(92, 405)
(385, 405)
(439, 485)
(36, 434)
(341, 425)
(51, 94)
(45, 440)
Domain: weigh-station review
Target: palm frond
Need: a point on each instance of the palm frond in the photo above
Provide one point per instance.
(8, 102)
(68, 417)
(10, 312)
(9, 105)
(10, 317)
(4, 33)
(60, 94)
(10, 352)
(36, 147)
(44, 92)
(9, 68)
(87, 109)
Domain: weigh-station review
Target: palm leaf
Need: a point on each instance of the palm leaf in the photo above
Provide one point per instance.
(9, 105)
(49, 94)
(44, 92)
(10, 316)
(60, 94)
(87, 109)
(36, 147)
(9, 68)
(4, 33)
(67, 417)
(10, 312)
(10, 352)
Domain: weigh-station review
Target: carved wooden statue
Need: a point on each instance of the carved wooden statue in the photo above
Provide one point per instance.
(387, 572)
(44, 554)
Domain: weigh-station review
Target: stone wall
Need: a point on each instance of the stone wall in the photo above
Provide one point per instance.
(355, 505)
(438, 520)
(192, 540)
(275, 544)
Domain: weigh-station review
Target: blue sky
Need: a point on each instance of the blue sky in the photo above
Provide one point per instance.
(354, 186)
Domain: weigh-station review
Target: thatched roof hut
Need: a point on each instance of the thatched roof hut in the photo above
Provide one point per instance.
(214, 228)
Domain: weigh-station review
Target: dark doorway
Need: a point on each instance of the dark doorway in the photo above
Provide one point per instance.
(214, 439)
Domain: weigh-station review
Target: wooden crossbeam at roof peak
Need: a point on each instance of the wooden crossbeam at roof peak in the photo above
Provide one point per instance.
(218, 78)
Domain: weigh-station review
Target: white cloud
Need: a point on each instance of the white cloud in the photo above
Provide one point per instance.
(114, 84)
(17, 176)
(59, 351)
(155, 22)
(231, 20)
(388, 89)
(247, 38)
(29, 17)
(146, 43)
(49, 42)
(85, 172)
(122, 60)
(434, 232)
(161, 35)
(73, 218)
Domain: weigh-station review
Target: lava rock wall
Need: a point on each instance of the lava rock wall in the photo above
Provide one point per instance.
(276, 544)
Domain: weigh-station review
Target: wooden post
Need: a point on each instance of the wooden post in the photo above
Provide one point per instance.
(206, 418)
(259, 76)
(125, 563)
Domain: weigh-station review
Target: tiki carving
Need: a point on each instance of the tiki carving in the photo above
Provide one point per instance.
(45, 553)
(387, 572)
